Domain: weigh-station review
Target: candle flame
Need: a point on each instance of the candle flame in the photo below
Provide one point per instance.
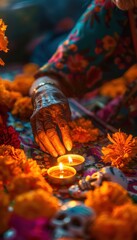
(61, 166)
(61, 176)
(70, 159)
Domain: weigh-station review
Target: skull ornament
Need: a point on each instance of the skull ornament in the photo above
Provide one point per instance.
(109, 173)
(72, 220)
(114, 174)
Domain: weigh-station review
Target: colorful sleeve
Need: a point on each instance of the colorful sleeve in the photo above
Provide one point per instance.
(84, 56)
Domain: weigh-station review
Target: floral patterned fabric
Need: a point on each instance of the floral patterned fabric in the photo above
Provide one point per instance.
(98, 49)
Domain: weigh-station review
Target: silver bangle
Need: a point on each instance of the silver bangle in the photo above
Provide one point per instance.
(41, 82)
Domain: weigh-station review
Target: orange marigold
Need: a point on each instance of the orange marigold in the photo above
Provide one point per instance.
(127, 213)
(31, 166)
(30, 68)
(4, 213)
(8, 98)
(106, 197)
(22, 83)
(108, 228)
(114, 88)
(6, 83)
(18, 155)
(35, 204)
(8, 168)
(83, 130)
(3, 39)
(23, 108)
(27, 182)
(122, 151)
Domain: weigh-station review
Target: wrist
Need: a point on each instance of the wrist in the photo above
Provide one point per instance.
(40, 82)
(46, 95)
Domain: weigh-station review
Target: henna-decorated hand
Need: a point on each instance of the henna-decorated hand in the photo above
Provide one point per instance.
(49, 120)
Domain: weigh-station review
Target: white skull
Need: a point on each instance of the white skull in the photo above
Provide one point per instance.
(109, 173)
(114, 174)
(72, 220)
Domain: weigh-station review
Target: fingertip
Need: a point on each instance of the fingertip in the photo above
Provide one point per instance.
(62, 151)
(68, 145)
(54, 154)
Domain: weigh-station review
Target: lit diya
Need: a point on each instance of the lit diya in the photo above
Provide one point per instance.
(61, 174)
(73, 160)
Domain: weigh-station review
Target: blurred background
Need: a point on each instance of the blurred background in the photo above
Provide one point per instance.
(36, 27)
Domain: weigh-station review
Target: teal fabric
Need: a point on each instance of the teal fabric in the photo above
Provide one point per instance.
(99, 48)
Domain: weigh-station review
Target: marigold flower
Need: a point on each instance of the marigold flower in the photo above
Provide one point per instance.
(18, 155)
(3, 39)
(30, 68)
(108, 228)
(23, 108)
(8, 98)
(82, 122)
(114, 88)
(35, 204)
(7, 84)
(27, 182)
(106, 197)
(122, 151)
(31, 166)
(127, 213)
(22, 83)
(83, 131)
(4, 213)
(131, 74)
(82, 135)
(8, 168)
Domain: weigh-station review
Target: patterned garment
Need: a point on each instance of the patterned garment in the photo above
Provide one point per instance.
(98, 49)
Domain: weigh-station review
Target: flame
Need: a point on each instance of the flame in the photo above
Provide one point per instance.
(61, 166)
(61, 176)
(70, 159)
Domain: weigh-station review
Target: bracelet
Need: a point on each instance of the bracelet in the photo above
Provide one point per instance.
(39, 83)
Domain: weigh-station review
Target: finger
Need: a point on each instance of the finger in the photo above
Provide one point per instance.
(42, 147)
(43, 139)
(65, 132)
(56, 142)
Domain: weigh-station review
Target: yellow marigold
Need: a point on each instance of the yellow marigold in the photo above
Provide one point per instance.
(106, 197)
(18, 155)
(107, 228)
(122, 151)
(3, 39)
(83, 131)
(35, 204)
(8, 98)
(27, 182)
(4, 213)
(127, 213)
(22, 83)
(31, 166)
(114, 88)
(8, 168)
(23, 108)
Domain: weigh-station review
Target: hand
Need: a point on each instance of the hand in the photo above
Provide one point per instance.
(49, 120)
